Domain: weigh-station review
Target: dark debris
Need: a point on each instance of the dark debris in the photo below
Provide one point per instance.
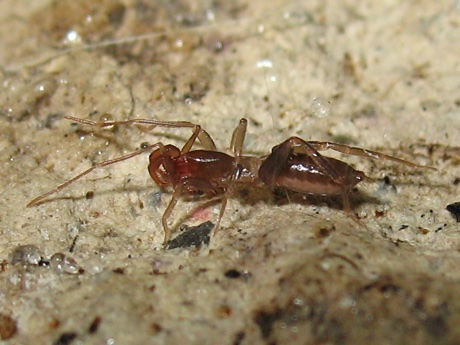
(119, 270)
(239, 337)
(265, 321)
(192, 236)
(232, 274)
(94, 326)
(454, 210)
(386, 184)
(66, 338)
(8, 327)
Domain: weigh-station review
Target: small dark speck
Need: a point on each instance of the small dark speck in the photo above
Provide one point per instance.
(66, 338)
(43, 263)
(51, 119)
(456, 181)
(323, 232)
(379, 214)
(156, 328)
(239, 338)
(244, 193)
(232, 274)
(72, 246)
(3, 265)
(440, 227)
(119, 270)
(193, 236)
(94, 325)
(89, 195)
(403, 227)
(265, 321)
(387, 184)
(454, 210)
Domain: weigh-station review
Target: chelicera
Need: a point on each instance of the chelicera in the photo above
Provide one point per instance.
(295, 165)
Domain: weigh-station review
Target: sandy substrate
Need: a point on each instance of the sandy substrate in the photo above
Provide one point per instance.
(282, 269)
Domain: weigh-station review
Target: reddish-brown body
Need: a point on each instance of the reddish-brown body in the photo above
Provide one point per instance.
(198, 170)
(301, 174)
(295, 165)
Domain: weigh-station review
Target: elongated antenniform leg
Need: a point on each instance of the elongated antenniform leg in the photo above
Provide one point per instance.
(198, 132)
(37, 200)
(202, 135)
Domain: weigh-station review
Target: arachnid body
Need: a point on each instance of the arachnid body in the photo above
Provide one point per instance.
(295, 165)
